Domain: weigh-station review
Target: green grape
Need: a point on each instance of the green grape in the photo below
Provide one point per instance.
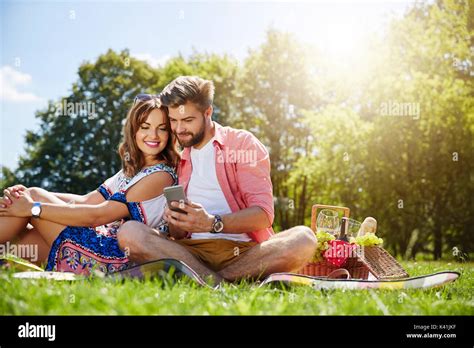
(323, 245)
(369, 239)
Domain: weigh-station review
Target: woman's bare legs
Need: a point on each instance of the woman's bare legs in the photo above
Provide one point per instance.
(11, 227)
(41, 237)
(38, 249)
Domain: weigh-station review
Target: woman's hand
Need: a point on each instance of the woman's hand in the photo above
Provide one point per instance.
(14, 191)
(20, 207)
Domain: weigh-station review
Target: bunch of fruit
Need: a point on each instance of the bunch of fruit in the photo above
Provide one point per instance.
(323, 239)
(369, 239)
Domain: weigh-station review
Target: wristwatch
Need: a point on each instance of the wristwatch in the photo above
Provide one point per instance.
(36, 209)
(218, 225)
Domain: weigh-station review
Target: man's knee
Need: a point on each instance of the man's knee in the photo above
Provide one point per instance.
(131, 235)
(303, 243)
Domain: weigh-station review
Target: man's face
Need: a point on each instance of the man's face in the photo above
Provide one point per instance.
(188, 124)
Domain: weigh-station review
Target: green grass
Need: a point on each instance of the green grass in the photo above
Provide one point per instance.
(130, 297)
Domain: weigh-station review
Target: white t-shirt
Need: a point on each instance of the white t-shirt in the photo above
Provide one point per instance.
(204, 188)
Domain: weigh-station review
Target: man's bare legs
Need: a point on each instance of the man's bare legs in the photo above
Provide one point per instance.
(286, 251)
(143, 244)
(43, 234)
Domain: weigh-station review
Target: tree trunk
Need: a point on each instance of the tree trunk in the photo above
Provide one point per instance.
(302, 203)
(438, 242)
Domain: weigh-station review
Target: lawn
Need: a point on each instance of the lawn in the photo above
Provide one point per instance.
(151, 297)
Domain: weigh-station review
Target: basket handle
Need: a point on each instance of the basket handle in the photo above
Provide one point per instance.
(339, 273)
(316, 207)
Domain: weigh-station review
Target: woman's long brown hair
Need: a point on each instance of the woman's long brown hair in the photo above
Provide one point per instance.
(132, 157)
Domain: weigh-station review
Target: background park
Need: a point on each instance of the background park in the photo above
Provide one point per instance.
(369, 106)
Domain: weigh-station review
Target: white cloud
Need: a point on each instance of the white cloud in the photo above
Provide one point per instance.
(10, 81)
(155, 62)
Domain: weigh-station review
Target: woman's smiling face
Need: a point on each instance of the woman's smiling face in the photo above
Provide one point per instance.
(152, 136)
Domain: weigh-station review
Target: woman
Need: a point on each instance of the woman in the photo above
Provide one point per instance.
(82, 235)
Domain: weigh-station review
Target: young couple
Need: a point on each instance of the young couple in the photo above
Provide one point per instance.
(226, 230)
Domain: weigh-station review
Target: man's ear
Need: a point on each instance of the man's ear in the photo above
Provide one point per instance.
(209, 111)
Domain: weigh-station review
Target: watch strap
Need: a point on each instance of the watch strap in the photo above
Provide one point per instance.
(217, 219)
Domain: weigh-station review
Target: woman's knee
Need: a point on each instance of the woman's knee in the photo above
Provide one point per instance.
(36, 193)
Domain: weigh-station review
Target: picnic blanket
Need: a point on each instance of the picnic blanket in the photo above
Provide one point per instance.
(420, 282)
(165, 268)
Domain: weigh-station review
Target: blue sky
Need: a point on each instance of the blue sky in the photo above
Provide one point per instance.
(44, 42)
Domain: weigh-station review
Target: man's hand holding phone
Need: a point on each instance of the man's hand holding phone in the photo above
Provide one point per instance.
(187, 216)
(174, 194)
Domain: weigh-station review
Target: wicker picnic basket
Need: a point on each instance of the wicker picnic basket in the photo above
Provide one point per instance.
(374, 260)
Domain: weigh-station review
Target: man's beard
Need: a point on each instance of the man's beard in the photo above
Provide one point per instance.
(195, 139)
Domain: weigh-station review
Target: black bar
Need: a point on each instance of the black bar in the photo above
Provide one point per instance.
(225, 330)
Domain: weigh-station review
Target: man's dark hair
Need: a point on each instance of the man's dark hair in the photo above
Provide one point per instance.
(188, 89)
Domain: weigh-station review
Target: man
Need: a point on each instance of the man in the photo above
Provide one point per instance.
(226, 231)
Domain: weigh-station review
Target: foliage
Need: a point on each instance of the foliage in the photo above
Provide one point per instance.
(392, 137)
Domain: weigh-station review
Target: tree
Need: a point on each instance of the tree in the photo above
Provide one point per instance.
(393, 140)
(222, 70)
(275, 86)
(421, 167)
(76, 147)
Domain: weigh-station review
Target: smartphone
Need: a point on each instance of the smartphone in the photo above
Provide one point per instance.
(175, 194)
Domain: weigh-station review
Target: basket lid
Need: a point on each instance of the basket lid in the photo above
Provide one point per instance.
(380, 263)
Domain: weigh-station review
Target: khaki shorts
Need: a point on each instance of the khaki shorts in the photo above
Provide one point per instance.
(217, 254)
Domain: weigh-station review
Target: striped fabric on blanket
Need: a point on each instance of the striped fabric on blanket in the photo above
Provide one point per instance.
(421, 282)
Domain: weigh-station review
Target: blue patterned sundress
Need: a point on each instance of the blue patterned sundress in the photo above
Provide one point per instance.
(82, 249)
